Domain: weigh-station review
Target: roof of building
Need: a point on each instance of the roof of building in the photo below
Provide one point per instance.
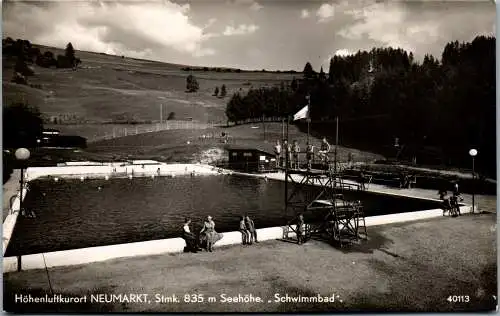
(51, 130)
(265, 148)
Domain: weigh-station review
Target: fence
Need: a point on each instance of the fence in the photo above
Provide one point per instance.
(257, 120)
(116, 130)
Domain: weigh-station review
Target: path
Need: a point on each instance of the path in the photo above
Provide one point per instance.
(483, 202)
(10, 188)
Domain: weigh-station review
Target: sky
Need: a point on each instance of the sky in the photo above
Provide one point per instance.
(248, 34)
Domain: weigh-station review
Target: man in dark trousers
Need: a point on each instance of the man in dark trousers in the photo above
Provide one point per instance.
(251, 229)
(309, 155)
(295, 155)
(287, 150)
(300, 229)
(245, 234)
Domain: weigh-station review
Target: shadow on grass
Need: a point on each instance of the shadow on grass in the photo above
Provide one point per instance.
(375, 241)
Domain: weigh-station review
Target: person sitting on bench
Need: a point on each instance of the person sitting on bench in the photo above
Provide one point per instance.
(189, 237)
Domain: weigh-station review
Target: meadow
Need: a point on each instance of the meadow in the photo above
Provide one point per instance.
(114, 89)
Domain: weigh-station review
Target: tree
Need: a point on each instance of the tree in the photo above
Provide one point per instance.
(308, 71)
(216, 92)
(192, 84)
(294, 85)
(171, 116)
(20, 66)
(420, 103)
(322, 76)
(23, 125)
(70, 52)
(223, 91)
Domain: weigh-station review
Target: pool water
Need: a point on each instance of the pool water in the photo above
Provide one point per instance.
(73, 214)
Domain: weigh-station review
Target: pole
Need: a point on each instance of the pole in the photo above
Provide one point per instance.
(287, 124)
(283, 129)
(473, 184)
(264, 127)
(308, 117)
(286, 171)
(161, 113)
(19, 261)
(336, 143)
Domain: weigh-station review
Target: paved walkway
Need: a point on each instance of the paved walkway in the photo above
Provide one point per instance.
(403, 267)
(10, 188)
(482, 202)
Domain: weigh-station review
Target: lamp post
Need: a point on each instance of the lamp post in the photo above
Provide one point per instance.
(22, 155)
(308, 118)
(473, 153)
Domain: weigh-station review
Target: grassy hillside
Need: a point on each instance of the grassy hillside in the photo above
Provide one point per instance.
(187, 145)
(109, 88)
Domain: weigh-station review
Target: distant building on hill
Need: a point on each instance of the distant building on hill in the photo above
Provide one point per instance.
(250, 158)
(53, 138)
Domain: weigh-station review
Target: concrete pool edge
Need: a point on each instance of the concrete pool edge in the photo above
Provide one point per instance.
(91, 170)
(10, 220)
(176, 245)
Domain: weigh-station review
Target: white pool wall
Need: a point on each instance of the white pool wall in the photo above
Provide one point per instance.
(156, 247)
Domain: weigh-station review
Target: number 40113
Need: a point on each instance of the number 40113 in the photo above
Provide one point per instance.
(458, 299)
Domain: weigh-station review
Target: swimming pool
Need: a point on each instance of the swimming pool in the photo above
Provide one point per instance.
(73, 214)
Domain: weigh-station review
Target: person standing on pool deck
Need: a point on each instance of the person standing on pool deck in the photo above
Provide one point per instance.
(277, 153)
(209, 233)
(287, 150)
(251, 229)
(245, 234)
(295, 153)
(324, 150)
(300, 229)
(309, 155)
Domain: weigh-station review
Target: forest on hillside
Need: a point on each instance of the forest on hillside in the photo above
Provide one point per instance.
(437, 109)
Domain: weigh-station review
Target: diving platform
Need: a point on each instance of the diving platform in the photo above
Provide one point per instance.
(326, 213)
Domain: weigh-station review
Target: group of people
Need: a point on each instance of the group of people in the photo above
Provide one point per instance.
(451, 203)
(282, 152)
(247, 230)
(207, 236)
